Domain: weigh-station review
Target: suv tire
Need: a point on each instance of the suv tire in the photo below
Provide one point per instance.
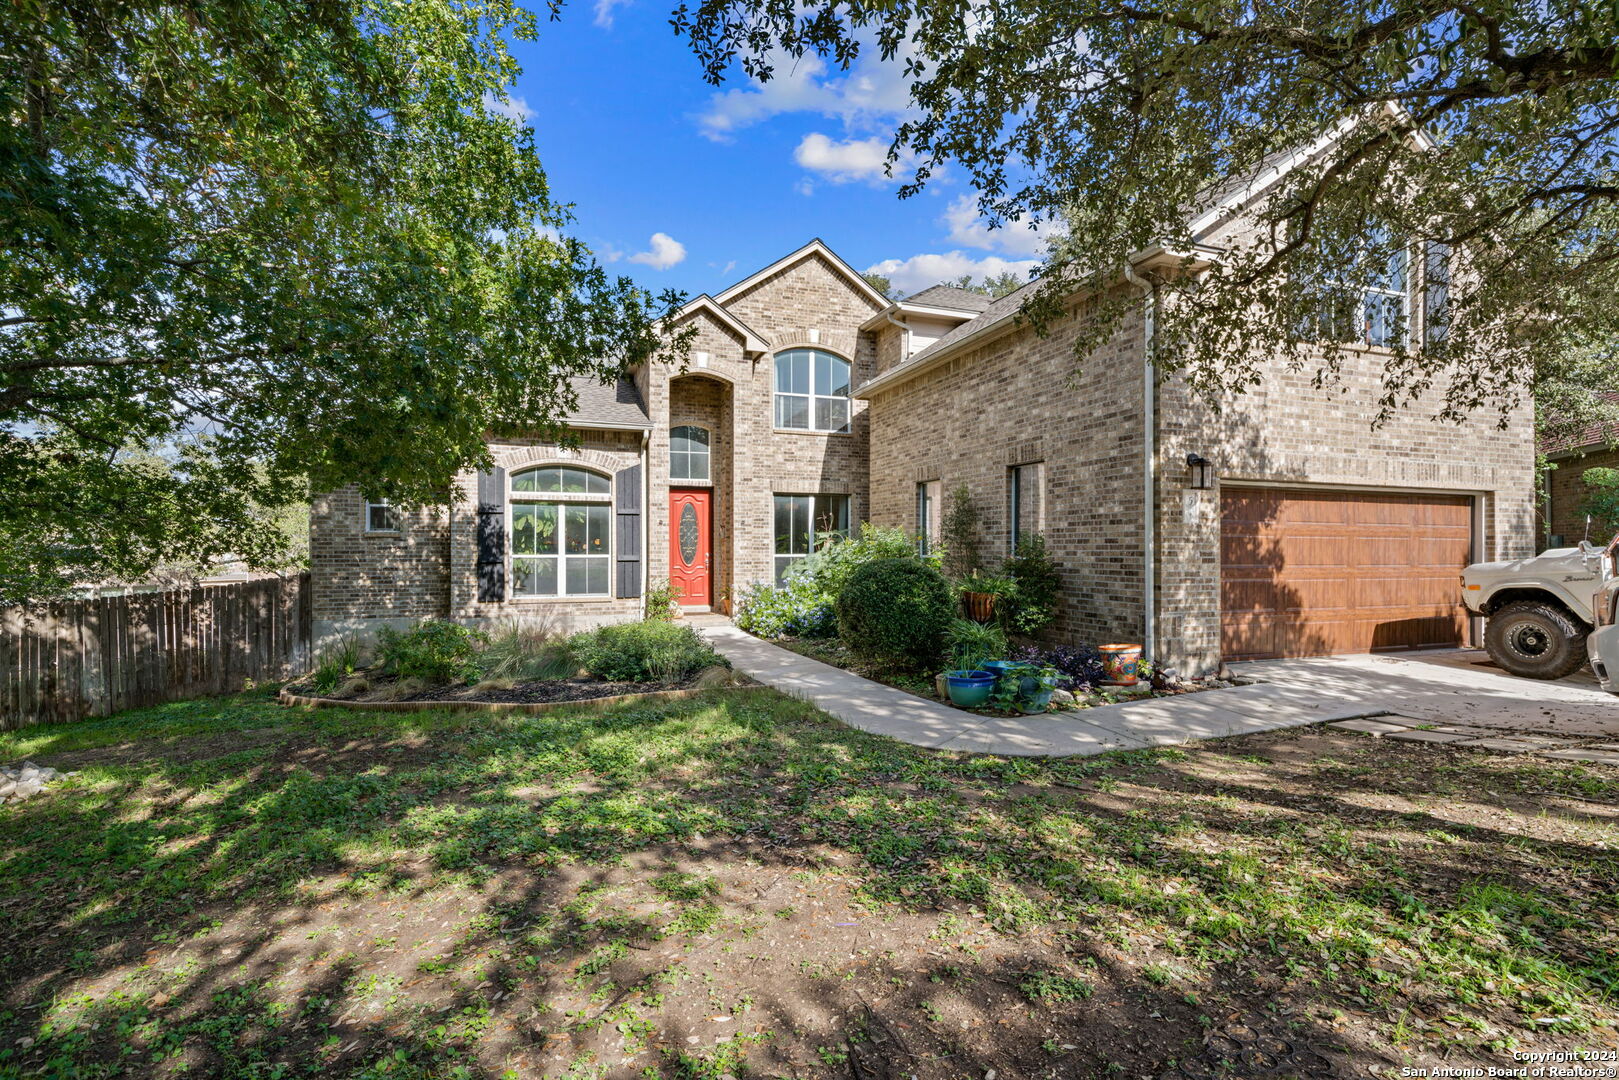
(1536, 639)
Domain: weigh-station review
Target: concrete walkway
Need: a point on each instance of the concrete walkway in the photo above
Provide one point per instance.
(883, 710)
(1431, 688)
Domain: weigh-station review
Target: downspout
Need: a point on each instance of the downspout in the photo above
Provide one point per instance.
(646, 514)
(905, 345)
(1149, 471)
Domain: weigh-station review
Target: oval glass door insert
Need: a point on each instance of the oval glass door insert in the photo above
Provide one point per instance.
(688, 534)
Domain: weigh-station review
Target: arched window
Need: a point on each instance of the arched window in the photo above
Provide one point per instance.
(812, 391)
(688, 453)
(561, 525)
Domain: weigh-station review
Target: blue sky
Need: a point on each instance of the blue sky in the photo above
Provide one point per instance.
(683, 185)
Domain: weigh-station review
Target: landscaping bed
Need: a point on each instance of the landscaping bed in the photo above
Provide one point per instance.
(736, 885)
(443, 661)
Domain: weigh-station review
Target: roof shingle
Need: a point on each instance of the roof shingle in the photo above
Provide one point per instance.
(616, 404)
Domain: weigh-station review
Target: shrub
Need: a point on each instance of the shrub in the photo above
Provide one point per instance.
(526, 653)
(1079, 666)
(661, 600)
(651, 651)
(970, 644)
(435, 651)
(958, 533)
(895, 611)
(337, 662)
(1035, 587)
(794, 609)
(829, 568)
(1602, 501)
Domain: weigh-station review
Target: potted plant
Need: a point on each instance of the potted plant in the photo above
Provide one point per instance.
(1036, 684)
(969, 689)
(980, 593)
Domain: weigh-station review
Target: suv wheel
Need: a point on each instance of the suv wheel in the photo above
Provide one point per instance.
(1536, 640)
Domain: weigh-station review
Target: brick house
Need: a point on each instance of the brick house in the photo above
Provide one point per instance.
(810, 403)
(1562, 520)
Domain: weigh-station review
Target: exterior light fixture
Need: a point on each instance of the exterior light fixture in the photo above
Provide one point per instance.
(1202, 472)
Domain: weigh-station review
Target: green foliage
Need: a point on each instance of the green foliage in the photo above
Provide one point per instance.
(1483, 128)
(1601, 502)
(337, 662)
(880, 283)
(524, 653)
(663, 600)
(958, 535)
(895, 611)
(434, 650)
(829, 568)
(1035, 590)
(651, 651)
(970, 644)
(308, 228)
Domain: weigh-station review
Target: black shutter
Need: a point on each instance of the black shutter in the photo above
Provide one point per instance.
(492, 536)
(627, 537)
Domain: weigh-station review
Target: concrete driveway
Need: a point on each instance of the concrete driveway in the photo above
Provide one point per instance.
(1455, 686)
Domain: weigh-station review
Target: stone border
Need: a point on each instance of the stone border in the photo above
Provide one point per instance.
(530, 708)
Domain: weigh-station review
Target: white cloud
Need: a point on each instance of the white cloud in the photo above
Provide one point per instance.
(604, 12)
(662, 252)
(1010, 238)
(512, 108)
(608, 253)
(851, 159)
(920, 271)
(873, 94)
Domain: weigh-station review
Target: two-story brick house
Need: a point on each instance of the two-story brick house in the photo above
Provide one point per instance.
(810, 402)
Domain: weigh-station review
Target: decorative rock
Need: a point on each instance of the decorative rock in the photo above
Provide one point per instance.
(27, 789)
(24, 780)
(1061, 697)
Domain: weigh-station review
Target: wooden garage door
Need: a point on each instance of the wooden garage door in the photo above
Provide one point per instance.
(1307, 573)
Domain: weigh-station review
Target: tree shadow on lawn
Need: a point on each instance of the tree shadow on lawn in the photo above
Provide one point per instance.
(736, 883)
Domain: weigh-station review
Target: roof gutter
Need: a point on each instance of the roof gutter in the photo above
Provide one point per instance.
(1149, 464)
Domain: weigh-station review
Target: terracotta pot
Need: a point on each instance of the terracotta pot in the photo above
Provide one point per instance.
(1119, 663)
(980, 605)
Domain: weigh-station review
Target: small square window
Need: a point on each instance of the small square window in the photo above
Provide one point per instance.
(380, 517)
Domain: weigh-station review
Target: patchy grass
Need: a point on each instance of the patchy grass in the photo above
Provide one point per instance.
(736, 885)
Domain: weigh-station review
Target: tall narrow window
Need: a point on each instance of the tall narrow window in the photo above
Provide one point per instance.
(1023, 492)
(812, 391)
(380, 517)
(806, 523)
(1436, 294)
(688, 453)
(561, 532)
(927, 516)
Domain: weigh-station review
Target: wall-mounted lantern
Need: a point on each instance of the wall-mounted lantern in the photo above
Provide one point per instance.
(1202, 472)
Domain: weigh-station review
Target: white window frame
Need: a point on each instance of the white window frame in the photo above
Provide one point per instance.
(811, 397)
(707, 455)
(392, 516)
(1334, 290)
(561, 500)
(782, 563)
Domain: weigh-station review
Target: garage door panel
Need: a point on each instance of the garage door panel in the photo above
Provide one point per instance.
(1308, 573)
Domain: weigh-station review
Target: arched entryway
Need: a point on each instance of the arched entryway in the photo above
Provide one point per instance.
(697, 462)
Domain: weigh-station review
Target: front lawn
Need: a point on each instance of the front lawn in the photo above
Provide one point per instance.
(736, 885)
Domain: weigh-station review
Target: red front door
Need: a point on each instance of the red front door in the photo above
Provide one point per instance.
(688, 546)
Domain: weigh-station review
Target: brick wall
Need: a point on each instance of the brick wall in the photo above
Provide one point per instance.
(356, 576)
(1023, 400)
(1566, 491)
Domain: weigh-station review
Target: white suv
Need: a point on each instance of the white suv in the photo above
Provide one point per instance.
(1603, 644)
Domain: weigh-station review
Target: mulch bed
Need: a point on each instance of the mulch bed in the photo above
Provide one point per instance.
(542, 691)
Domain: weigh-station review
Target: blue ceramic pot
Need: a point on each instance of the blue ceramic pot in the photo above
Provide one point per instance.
(969, 689)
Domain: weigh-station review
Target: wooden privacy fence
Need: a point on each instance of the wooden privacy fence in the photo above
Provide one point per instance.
(78, 658)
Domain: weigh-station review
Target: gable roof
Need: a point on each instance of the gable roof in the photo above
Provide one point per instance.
(607, 405)
(809, 250)
(948, 296)
(752, 341)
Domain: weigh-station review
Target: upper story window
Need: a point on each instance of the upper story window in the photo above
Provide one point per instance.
(1367, 301)
(561, 532)
(812, 391)
(688, 453)
(380, 517)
